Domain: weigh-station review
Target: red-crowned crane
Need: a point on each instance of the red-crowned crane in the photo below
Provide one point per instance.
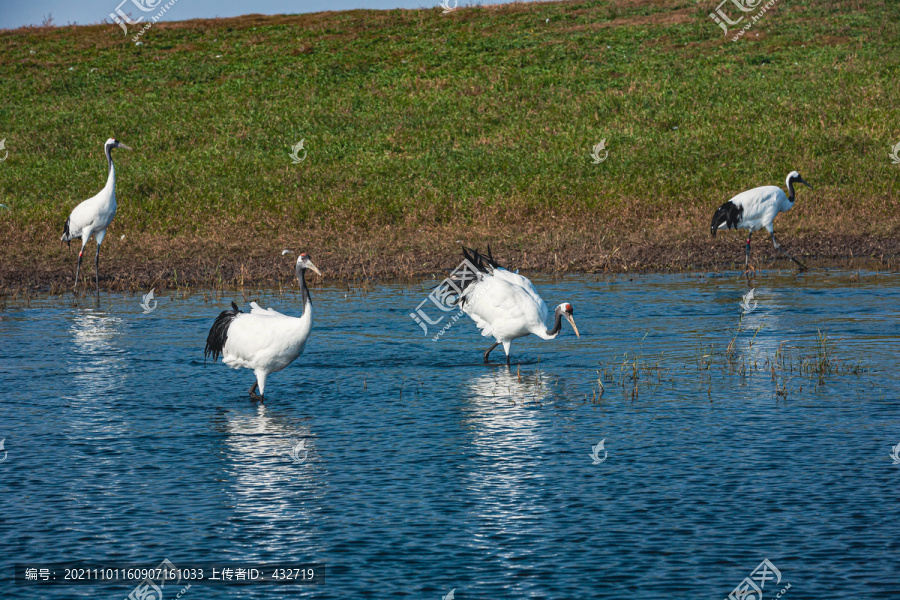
(263, 340)
(505, 305)
(94, 215)
(756, 209)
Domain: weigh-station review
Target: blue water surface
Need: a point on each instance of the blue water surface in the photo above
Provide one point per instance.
(423, 470)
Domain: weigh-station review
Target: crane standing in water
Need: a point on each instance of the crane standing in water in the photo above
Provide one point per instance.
(264, 340)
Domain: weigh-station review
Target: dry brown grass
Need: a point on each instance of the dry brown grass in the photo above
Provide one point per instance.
(575, 243)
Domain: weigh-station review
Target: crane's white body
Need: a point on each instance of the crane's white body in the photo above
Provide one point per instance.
(506, 306)
(266, 341)
(93, 216)
(756, 209)
(263, 340)
(760, 207)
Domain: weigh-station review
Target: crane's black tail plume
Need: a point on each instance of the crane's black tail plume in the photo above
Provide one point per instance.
(462, 278)
(67, 236)
(483, 262)
(730, 214)
(218, 333)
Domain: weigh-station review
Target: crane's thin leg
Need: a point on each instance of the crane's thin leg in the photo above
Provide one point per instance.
(747, 268)
(488, 352)
(786, 253)
(507, 360)
(253, 394)
(97, 268)
(78, 267)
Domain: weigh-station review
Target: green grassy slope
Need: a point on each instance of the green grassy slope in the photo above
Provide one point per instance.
(416, 118)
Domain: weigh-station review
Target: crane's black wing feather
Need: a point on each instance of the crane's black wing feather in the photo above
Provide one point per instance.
(218, 333)
(730, 214)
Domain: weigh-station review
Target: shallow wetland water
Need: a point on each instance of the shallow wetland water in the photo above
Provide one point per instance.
(728, 439)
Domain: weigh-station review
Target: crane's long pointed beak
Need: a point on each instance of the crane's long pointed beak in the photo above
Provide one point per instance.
(806, 184)
(121, 145)
(571, 321)
(313, 268)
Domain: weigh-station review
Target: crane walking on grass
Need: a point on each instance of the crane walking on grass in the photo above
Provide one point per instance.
(264, 340)
(756, 209)
(94, 215)
(505, 305)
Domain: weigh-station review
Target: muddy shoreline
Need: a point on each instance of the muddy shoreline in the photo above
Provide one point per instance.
(145, 261)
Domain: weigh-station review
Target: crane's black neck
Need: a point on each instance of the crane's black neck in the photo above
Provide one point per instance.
(108, 150)
(556, 325)
(304, 291)
(791, 190)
